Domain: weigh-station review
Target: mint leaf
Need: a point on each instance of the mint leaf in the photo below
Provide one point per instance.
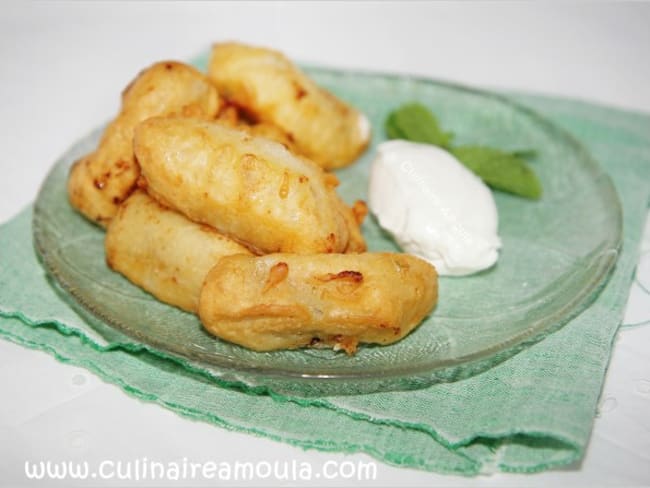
(524, 153)
(392, 130)
(505, 171)
(502, 170)
(416, 123)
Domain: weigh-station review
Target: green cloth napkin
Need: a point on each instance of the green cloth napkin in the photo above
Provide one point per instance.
(531, 412)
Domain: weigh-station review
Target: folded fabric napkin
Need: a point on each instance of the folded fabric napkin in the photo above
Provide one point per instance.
(532, 412)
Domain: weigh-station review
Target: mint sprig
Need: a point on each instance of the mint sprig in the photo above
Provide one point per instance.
(416, 123)
(501, 170)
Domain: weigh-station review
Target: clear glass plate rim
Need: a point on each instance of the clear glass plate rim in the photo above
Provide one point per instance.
(605, 261)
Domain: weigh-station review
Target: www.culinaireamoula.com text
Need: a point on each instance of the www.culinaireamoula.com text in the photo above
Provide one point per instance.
(143, 469)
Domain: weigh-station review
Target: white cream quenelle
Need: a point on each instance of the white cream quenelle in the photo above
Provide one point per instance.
(434, 207)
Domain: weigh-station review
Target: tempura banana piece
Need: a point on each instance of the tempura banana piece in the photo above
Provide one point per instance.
(249, 188)
(103, 179)
(285, 301)
(272, 89)
(163, 252)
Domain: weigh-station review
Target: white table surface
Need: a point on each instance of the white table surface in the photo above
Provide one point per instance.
(62, 67)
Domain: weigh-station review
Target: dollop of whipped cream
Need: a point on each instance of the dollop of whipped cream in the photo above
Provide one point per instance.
(434, 207)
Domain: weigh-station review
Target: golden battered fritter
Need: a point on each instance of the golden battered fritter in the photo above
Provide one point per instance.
(285, 301)
(163, 252)
(272, 89)
(233, 117)
(249, 188)
(102, 180)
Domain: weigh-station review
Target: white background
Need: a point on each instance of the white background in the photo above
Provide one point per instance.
(62, 67)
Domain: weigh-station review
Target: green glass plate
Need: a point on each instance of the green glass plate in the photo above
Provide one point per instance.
(557, 254)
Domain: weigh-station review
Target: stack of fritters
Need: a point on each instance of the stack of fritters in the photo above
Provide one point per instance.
(216, 199)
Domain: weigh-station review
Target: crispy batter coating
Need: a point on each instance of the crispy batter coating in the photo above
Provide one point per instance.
(102, 180)
(163, 252)
(354, 218)
(285, 301)
(249, 188)
(234, 117)
(270, 131)
(272, 89)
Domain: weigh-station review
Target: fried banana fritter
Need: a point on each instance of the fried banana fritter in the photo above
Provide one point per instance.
(285, 301)
(249, 188)
(163, 252)
(272, 89)
(102, 180)
(234, 117)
